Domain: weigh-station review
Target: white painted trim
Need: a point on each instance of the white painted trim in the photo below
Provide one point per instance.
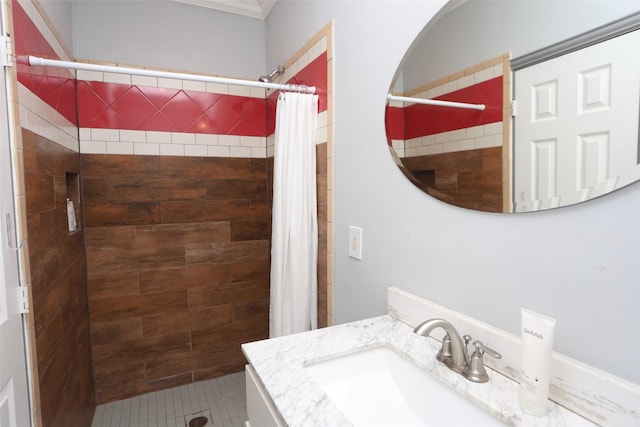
(252, 8)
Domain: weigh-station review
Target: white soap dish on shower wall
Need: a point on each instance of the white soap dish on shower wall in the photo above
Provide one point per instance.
(71, 216)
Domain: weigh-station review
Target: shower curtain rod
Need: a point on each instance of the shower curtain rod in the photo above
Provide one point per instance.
(452, 104)
(44, 62)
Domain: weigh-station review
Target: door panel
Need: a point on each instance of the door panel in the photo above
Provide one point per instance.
(8, 405)
(577, 123)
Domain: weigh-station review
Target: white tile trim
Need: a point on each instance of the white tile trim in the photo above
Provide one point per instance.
(133, 136)
(207, 139)
(196, 150)
(194, 86)
(40, 118)
(473, 138)
(124, 79)
(119, 147)
(158, 137)
(172, 150)
(137, 142)
(90, 76)
(172, 84)
(93, 147)
(183, 138)
(148, 81)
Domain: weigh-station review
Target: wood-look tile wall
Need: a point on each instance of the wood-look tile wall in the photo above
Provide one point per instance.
(470, 179)
(322, 201)
(178, 267)
(58, 277)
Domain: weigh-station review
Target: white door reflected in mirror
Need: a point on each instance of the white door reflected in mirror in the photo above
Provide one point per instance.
(597, 91)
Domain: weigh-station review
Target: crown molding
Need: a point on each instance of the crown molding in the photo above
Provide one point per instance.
(252, 8)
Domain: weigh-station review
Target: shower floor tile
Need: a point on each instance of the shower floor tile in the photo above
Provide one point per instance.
(221, 400)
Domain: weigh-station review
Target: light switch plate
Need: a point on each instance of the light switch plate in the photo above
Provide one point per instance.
(355, 242)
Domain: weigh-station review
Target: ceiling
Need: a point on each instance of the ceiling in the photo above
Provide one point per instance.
(252, 8)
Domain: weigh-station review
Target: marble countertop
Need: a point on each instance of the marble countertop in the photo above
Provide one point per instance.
(280, 364)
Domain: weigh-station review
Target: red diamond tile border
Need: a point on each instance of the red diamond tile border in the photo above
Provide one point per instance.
(132, 107)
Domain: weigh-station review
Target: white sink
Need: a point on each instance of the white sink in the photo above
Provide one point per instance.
(379, 387)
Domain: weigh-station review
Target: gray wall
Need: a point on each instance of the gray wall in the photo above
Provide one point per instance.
(478, 30)
(578, 264)
(60, 12)
(166, 34)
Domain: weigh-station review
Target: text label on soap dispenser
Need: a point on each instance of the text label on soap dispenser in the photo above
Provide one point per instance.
(533, 333)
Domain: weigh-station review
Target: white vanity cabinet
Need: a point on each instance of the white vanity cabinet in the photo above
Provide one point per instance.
(261, 410)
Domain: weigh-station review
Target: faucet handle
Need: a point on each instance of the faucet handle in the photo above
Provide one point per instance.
(476, 371)
(481, 349)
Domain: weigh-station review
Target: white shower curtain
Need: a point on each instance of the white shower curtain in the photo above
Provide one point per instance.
(294, 233)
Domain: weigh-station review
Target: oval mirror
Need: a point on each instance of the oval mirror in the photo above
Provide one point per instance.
(541, 103)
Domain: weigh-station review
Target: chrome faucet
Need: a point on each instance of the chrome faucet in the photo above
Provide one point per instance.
(454, 354)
